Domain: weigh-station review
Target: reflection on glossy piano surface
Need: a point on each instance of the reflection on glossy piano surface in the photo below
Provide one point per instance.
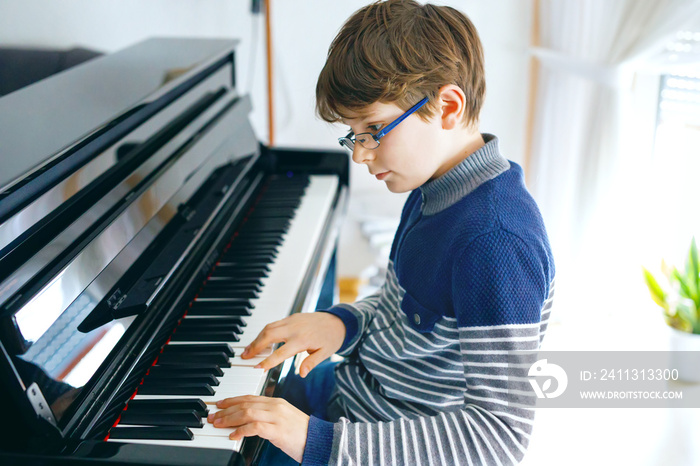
(146, 237)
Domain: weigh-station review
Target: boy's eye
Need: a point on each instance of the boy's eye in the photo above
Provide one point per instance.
(362, 138)
(375, 127)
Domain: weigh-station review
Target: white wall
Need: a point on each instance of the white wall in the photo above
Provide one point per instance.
(302, 31)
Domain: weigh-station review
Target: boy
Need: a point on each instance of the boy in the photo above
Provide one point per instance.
(426, 376)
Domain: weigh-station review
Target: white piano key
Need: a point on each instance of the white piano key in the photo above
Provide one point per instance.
(199, 441)
(225, 390)
(238, 361)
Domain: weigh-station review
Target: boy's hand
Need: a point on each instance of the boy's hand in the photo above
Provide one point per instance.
(319, 333)
(273, 419)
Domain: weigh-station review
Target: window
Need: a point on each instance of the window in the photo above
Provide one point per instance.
(677, 144)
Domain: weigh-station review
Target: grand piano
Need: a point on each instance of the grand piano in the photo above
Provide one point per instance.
(146, 237)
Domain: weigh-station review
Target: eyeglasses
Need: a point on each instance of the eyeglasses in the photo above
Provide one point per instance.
(371, 141)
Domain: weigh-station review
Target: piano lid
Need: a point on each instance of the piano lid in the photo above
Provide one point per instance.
(41, 120)
(90, 201)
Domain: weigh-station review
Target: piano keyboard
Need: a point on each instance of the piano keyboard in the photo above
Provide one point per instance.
(255, 282)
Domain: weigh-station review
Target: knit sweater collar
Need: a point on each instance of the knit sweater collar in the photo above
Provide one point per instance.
(483, 165)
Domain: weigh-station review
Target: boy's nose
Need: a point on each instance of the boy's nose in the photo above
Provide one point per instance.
(362, 155)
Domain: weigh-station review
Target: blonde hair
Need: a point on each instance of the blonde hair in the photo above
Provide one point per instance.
(399, 51)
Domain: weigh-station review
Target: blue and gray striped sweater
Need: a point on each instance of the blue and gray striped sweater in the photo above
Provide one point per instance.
(427, 377)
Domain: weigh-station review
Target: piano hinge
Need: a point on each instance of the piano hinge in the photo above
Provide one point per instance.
(38, 402)
(116, 299)
(186, 212)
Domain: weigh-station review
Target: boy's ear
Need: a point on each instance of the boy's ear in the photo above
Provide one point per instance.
(452, 104)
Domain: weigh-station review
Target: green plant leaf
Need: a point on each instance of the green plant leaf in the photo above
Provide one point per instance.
(657, 293)
(693, 273)
(682, 280)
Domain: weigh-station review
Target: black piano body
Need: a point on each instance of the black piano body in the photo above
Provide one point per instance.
(145, 237)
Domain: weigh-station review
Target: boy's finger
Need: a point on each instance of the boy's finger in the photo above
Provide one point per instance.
(267, 336)
(240, 418)
(261, 429)
(311, 361)
(284, 352)
(237, 400)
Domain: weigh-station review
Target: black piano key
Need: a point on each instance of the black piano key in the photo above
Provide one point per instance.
(194, 389)
(209, 328)
(251, 260)
(263, 223)
(258, 230)
(250, 291)
(245, 248)
(275, 212)
(255, 263)
(177, 372)
(235, 271)
(283, 193)
(179, 378)
(190, 366)
(256, 236)
(274, 243)
(250, 271)
(230, 327)
(208, 321)
(223, 301)
(211, 336)
(253, 242)
(264, 214)
(209, 303)
(250, 240)
(174, 359)
(200, 347)
(151, 433)
(272, 196)
(192, 369)
(232, 286)
(184, 404)
(277, 231)
(212, 357)
(225, 281)
(164, 417)
(182, 334)
(250, 247)
(283, 183)
(231, 274)
(246, 251)
(205, 330)
(244, 254)
(292, 205)
(217, 309)
(226, 293)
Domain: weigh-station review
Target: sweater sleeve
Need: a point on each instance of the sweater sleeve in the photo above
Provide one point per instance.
(356, 317)
(499, 289)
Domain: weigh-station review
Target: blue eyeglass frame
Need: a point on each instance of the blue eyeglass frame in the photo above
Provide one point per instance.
(348, 140)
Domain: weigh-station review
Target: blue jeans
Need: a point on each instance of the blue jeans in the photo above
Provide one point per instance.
(311, 395)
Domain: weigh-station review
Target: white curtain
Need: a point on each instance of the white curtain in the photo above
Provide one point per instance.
(580, 157)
